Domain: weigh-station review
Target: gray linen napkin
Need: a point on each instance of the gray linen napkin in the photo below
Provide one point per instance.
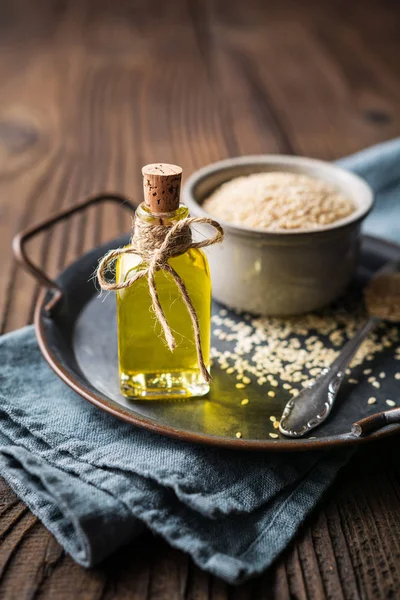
(94, 481)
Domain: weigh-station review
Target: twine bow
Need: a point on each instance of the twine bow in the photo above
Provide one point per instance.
(155, 244)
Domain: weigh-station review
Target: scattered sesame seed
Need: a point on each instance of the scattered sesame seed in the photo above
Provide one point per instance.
(274, 435)
(238, 435)
(390, 402)
(239, 376)
(244, 401)
(289, 352)
(275, 425)
(315, 371)
(382, 375)
(272, 418)
(371, 400)
(240, 386)
(271, 394)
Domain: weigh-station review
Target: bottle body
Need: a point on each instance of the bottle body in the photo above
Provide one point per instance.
(148, 369)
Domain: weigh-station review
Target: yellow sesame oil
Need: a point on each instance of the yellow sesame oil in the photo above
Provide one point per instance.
(148, 369)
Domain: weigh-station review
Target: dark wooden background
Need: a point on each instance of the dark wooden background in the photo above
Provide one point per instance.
(92, 90)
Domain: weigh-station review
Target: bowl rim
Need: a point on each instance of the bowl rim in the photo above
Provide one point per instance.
(336, 171)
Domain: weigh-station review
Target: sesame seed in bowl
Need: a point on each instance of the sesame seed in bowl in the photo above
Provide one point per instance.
(277, 201)
(292, 230)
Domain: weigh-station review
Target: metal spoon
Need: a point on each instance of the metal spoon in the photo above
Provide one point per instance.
(313, 405)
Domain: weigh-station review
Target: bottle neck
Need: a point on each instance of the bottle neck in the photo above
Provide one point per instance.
(151, 228)
(145, 215)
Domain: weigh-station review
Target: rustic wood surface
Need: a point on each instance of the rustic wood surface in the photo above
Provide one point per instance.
(92, 90)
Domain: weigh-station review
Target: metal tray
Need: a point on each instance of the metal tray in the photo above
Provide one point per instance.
(76, 332)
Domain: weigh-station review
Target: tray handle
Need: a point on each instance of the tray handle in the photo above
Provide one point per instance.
(21, 238)
(374, 422)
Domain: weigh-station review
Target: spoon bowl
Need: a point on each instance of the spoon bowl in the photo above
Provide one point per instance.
(314, 404)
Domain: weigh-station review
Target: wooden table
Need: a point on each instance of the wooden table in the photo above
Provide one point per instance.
(91, 91)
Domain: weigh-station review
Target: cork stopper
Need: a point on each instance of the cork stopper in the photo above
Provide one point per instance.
(161, 186)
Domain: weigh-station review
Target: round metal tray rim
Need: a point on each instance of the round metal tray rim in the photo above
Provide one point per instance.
(348, 439)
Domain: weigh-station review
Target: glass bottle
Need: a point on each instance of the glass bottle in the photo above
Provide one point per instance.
(148, 369)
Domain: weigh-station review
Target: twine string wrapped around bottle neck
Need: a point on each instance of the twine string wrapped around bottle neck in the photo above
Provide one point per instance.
(155, 244)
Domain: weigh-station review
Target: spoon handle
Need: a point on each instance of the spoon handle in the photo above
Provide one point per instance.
(350, 348)
(313, 405)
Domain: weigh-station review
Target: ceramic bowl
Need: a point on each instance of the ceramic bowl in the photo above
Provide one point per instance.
(286, 272)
